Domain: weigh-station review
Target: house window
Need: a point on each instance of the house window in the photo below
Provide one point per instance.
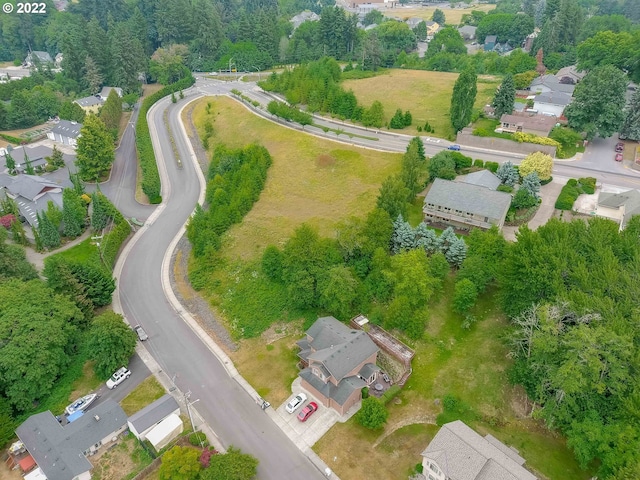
(447, 209)
(486, 219)
(316, 371)
(439, 207)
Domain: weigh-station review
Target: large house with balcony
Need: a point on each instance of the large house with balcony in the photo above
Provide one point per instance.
(338, 363)
(469, 202)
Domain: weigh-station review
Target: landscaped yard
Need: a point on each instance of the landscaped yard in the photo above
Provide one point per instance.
(120, 462)
(148, 391)
(427, 95)
(452, 15)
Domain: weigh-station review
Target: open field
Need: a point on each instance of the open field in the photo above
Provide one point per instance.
(427, 95)
(453, 16)
(311, 180)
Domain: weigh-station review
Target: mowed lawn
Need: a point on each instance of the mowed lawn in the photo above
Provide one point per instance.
(311, 180)
(453, 16)
(427, 95)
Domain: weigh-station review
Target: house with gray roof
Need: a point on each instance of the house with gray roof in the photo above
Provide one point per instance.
(61, 450)
(550, 83)
(551, 103)
(482, 178)
(36, 58)
(467, 32)
(619, 207)
(65, 132)
(339, 362)
(305, 16)
(104, 93)
(464, 205)
(570, 75)
(90, 104)
(143, 421)
(31, 193)
(458, 452)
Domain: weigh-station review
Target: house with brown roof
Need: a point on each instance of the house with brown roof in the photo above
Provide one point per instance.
(458, 452)
(338, 363)
(540, 125)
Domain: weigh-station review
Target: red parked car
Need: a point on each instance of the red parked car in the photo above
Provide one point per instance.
(618, 157)
(307, 411)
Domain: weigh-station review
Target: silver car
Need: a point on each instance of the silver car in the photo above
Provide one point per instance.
(296, 402)
(142, 335)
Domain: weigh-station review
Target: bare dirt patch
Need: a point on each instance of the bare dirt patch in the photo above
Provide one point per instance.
(520, 403)
(114, 462)
(325, 160)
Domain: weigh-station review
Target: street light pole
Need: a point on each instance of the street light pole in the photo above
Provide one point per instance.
(186, 401)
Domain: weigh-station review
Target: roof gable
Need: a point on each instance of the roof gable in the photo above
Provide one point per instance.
(153, 413)
(67, 128)
(483, 178)
(468, 198)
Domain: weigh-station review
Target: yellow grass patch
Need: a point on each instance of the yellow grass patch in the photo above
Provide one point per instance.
(453, 16)
(427, 95)
(311, 180)
(141, 396)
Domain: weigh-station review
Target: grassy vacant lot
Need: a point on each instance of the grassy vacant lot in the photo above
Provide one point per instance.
(311, 180)
(122, 462)
(141, 396)
(453, 16)
(427, 95)
(469, 364)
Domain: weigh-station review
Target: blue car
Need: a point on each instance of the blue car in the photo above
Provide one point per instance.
(454, 147)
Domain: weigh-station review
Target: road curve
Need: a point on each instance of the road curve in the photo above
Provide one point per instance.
(222, 402)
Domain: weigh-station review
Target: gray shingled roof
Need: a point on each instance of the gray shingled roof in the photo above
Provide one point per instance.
(153, 413)
(630, 199)
(339, 393)
(339, 348)
(483, 178)
(58, 450)
(551, 82)
(469, 198)
(104, 93)
(30, 186)
(89, 101)
(464, 455)
(367, 370)
(67, 128)
(553, 98)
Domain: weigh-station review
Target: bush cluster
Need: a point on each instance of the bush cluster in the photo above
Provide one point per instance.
(522, 137)
(401, 120)
(492, 166)
(572, 190)
(291, 114)
(146, 156)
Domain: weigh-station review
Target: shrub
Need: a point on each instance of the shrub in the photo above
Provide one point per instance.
(588, 185)
(146, 156)
(390, 394)
(461, 160)
(568, 195)
(504, 188)
(538, 162)
(530, 138)
(478, 163)
(373, 414)
(523, 199)
(492, 166)
(197, 439)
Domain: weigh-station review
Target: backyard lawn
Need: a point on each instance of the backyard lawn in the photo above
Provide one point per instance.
(427, 95)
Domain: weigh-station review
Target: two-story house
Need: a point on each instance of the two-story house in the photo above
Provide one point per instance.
(339, 362)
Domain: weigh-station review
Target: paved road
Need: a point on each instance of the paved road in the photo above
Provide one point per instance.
(224, 405)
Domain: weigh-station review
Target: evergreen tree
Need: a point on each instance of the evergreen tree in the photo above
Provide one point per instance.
(420, 145)
(99, 212)
(129, 59)
(92, 75)
(111, 112)
(457, 252)
(439, 17)
(28, 168)
(19, 235)
(95, 151)
(505, 97)
(10, 163)
(411, 167)
(37, 240)
(56, 159)
(73, 213)
(531, 183)
(631, 125)
(408, 118)
(49, 234)
(397, 121)
(464, 96)
(404, 238)
(426, 238)
(393, 196)
(71, 111)
(446, 239)
(507, 173)
(374, 116)
(54, 214)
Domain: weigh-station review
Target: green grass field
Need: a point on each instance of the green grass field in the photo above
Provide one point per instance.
(427, 95)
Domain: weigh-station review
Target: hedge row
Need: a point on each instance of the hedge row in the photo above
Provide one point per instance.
(283, 110)
(146, 156)
(531, 138)
(115, 238)
(10, 139)
(572, 190)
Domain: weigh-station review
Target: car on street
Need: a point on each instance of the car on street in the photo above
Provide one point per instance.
(142, 335)
(619, 147)
(295, 402)
(454, 147)
(118, 377)
(618, 157)
(307, 411)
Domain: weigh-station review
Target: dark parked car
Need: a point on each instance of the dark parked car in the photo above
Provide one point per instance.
(454, 147)
(307, 411)
(619, 147)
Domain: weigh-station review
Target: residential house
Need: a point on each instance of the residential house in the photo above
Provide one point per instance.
(464, 204)
(413, 22)
(158, 422)
(61, 451)
(35, 155)
(90, 104)
(550, 83)
(58, 60)
(490, 43)
(481, 178)
(458, 452)
(551, 103)
(339, 362)
(570, 75)
(65, 132)
(619, 207)
(528, 42)
(36, 58)
(306, 16)
(468, 32)
(31, 193)
(432, 29)
(540, 125)
(503, 48)
(104, 93)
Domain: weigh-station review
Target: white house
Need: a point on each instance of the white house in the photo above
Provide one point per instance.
(458, 452)
(619, 207)
(144, 422)
(104, 93)
(551, 103)
(65, 132)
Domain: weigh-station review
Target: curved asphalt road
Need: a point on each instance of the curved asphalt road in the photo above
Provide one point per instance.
(223, 403)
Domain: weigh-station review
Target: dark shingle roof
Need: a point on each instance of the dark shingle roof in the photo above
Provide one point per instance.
(464, 455)
(58, 450)
(483, 178)
(469, 198)
(630, 199)
(67, 128)
(153, 413)
(554, 98)
(339, 348)
(89, 101)
(339, 393)
(551, 82)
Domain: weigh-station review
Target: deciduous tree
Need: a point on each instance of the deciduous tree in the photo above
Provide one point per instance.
(538, 162)
(233, 465)
(631, 125)
(180, 462)
(373, 414)
(111, 344)
(463, 98)
(465, 295)
(393, 196)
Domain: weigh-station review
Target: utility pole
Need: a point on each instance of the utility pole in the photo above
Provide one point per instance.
(186, 401)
